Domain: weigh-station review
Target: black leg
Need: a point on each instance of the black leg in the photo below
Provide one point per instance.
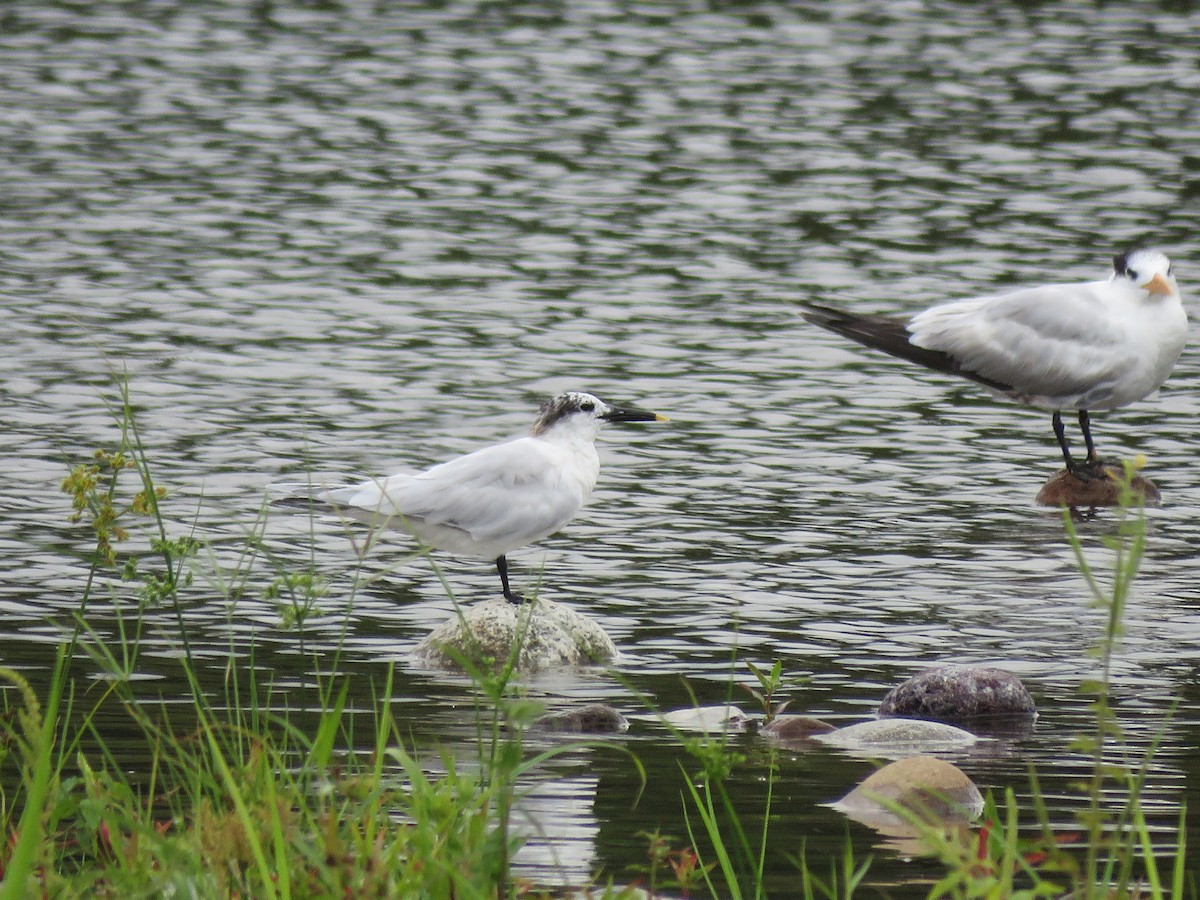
(1088, 469)
(502, 568)
(1061, 434)
(1085, 425)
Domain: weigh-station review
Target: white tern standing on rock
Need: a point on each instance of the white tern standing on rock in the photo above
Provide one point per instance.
(1096, 345)
(495, 500)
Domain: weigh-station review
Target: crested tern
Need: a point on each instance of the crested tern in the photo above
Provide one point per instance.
(1094, 345)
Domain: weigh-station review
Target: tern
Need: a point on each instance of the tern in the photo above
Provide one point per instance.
(487, 503)
(1095, 345)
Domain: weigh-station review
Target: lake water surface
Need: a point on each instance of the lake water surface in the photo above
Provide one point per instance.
(349, 237)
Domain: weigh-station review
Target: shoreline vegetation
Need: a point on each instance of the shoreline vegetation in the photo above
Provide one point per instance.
(238, 800)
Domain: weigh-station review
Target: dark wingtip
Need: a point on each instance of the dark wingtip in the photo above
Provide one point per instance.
(890, 335)
(881, 332)
(820, 315)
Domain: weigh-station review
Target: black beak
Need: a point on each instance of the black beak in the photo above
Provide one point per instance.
(632, 414)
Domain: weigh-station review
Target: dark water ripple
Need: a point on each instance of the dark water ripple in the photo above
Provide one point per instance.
(357, 237)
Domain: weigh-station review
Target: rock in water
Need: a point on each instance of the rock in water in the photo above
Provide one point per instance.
(899, 737)
(1064, 489)
(543, 634)
(960, 695)
(795, 729)
(594, 718)
(935, 791)
(709, 719)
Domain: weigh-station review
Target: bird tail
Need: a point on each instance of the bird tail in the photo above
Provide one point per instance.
(299, 494)
(884, 333)
(892, 336)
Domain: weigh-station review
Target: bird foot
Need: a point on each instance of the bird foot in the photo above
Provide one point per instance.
(1087, 471)
(515, 598)
(1094, 468)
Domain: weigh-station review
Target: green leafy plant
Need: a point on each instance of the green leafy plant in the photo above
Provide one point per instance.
(768, 686)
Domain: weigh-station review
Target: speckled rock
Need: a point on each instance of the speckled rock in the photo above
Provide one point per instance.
(933, 789)
(710, 719)
(960, 694)
(549, 635)
(899, 737)
(594, 718)
(795, 729)
(1064, 489)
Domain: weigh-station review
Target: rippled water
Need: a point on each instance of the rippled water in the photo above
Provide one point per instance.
(352, 237)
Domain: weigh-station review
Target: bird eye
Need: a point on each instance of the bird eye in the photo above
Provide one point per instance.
(587, 406)
(1133, 275)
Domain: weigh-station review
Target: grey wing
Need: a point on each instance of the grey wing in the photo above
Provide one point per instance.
(1053, 342)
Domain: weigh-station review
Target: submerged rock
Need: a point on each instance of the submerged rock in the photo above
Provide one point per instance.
(899, 737)
(963, 695)
(795, 729)
(709, 719)
(1064, 489)
(933, 790)
(543, 634)
(595, 718)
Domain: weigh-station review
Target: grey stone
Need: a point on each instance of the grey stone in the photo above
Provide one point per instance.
(544, 634)
(961, 694)
(888, 737)
(594, 718)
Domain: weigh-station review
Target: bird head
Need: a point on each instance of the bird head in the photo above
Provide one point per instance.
(1149, 270)
(577, 411)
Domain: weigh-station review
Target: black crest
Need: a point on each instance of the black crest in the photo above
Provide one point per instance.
(555, 410)
(1121, 261)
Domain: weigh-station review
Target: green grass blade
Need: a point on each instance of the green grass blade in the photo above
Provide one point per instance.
(1177, 877)
(239, 803)
(708, 817)
(327, 731)
(29, 830)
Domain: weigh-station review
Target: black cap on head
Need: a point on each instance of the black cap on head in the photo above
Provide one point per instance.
(558, 408)
(1121, 261)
